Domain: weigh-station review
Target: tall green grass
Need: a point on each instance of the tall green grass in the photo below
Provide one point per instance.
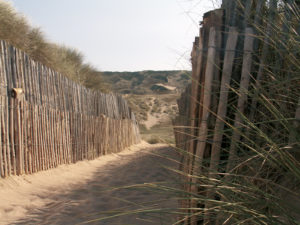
(16, 30)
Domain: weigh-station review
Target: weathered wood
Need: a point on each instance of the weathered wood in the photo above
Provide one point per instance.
(202, 135)
(247, 11)
(210, 67)
(263, 57)
(56, 121)
(222, 111)
(2, 111)
(243, 95)
(295, 130)
(18, 138)
(223, 99)
(1, 137)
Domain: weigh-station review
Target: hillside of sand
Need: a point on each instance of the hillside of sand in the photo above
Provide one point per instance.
(152, 95)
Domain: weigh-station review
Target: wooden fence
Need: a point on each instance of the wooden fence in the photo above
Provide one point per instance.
(229, 72)
(47, 120)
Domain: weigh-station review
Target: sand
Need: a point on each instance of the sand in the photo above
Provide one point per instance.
(81, 192)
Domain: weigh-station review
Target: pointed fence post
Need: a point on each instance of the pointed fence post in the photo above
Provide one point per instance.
(201, 142)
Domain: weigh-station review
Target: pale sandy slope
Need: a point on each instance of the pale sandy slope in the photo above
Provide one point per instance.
(73, 194)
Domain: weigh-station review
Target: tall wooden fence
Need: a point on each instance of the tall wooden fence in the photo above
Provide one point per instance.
(233, 62)
(47, 120)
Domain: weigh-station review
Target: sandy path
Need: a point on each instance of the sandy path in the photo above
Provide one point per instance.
(151, 119)
(155, 118)
(83, 192)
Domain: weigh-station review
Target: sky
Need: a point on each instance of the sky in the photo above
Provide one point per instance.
(121, 35)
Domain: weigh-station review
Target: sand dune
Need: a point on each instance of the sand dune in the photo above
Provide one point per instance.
(73, 194)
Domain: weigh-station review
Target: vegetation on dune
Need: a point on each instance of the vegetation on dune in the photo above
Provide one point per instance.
(154, 140)
(140, 83)
(160, 106)
(16, 30)
(150, 103)
(162, 133)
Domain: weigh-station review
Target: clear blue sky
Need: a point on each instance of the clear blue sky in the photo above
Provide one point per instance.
(121, 35)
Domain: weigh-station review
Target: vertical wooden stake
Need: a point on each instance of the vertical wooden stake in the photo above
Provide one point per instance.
(242, 100)
(222, 111)
(201, 143)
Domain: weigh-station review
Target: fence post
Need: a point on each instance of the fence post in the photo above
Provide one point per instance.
(221, 114)
(243, 93)
(17, 99)
(201, 142)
